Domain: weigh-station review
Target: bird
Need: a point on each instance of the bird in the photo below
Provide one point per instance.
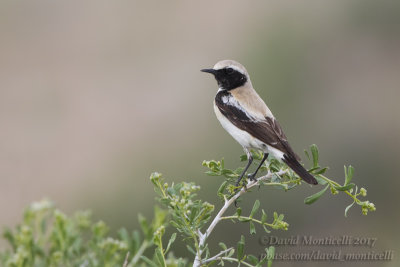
(246, 117)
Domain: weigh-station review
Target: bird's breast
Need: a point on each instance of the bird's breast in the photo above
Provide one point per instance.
(242, 137)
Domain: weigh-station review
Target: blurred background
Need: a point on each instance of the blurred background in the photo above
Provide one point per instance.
(94, 96)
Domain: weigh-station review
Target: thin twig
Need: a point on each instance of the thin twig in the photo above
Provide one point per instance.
(216, 257)
(202, 237)
(126, 260)
(236, 260)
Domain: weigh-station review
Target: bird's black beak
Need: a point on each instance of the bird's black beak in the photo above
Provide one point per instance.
(212, 71)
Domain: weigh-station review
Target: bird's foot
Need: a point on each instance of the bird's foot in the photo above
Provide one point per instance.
(252, 176)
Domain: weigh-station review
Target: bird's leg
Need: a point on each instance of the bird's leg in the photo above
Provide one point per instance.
(250, 158)
(253, 175)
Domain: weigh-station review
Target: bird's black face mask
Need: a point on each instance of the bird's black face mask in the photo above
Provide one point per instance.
(228, 78)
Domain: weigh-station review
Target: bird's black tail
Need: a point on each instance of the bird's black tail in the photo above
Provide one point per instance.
(292, 162)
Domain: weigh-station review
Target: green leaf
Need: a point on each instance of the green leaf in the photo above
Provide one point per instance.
(263, 217)
(255, 208)
(240, 248)
(322, 171)
(222, 245)
(194, 211)
(266, 229)
(274, 165)
(159, 216)
(257, 155)
(313, 169)
(124, 235)
(8, 235)
(345, 187)
(291, 186)
(238, 171)
(252, 228)
(145, 227)
(315, 155)
(229, 173)
(311, 199)
(348, 174)
(244, 219)
(262, 261)
(191, 250)
(222, 188)
(171, 240)
(347, 208)
(135, 241)
(320, 180)
(160, 257)
(252, 259)
(239, 211)
(148, 261)
(308, 155)
(211, 173)
(276, 179)
(270, 255)
(231, 252)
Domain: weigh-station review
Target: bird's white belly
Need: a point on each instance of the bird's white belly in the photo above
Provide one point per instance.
(244, 138)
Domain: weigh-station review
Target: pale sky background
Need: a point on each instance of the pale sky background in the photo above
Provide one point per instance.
(96, 95)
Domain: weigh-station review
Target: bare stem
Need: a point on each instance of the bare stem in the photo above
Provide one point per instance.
(218, 256)
(236, 260)
(126, 260)
(202, 237)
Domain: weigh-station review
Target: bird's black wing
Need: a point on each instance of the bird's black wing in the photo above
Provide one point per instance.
(267, 130)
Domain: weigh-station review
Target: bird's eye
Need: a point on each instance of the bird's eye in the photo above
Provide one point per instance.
(229, 70)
